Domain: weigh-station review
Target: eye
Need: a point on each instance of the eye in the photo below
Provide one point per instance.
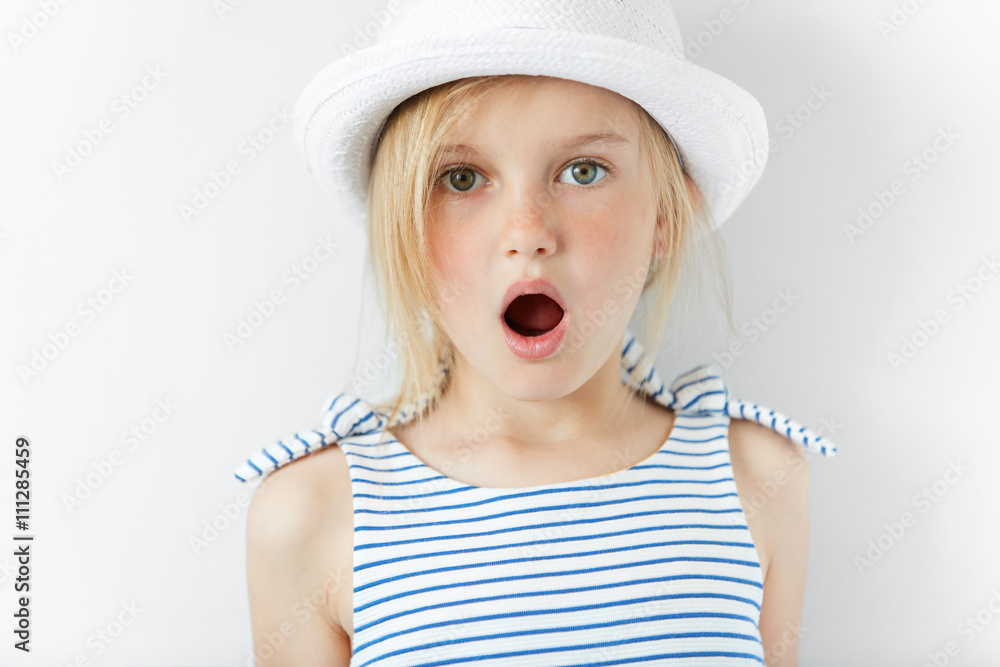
(585, 172)
(460, 179)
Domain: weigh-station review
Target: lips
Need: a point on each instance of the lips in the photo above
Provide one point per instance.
(533, 314)
(532, 307)
(534, 319)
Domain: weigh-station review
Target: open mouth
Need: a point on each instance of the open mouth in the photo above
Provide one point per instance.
(533, 315)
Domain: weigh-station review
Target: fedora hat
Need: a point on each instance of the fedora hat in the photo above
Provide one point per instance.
(631, 47)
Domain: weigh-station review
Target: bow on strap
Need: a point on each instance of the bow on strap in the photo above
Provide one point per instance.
(344, 416)
(700, 390)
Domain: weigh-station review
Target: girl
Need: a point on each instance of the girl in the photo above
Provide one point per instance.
(531, 173)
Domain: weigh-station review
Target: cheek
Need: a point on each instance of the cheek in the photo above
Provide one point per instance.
(616, 237)
(458, 262)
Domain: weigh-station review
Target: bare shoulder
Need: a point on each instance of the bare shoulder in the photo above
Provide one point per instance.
(763, 455)
(295, 529)
(772, 478)
(289, 502)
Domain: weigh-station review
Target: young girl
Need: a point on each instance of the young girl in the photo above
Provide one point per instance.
(531, 173)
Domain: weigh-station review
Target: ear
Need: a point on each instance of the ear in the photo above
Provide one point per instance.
(658, 231)
(693, 190)
(658, 249)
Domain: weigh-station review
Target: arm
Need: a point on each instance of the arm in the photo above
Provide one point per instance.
(290, 532)
(778, 469)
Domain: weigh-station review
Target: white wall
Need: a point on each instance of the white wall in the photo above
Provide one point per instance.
(824, 362)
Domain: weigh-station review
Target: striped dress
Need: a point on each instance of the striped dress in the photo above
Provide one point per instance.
(651, 564)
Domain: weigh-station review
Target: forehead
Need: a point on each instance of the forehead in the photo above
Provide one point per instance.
(556, 113)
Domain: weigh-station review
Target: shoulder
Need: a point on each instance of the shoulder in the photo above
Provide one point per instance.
(764, 455)
(298, 519)
(772, 479)
(289, 501)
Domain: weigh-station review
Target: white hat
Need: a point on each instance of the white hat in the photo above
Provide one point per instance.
(631, 47)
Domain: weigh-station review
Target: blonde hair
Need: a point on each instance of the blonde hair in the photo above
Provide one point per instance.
(406, 162)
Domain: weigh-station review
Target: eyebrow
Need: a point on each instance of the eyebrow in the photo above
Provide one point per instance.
(606, 138)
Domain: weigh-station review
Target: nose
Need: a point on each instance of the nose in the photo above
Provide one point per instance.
(530, 227)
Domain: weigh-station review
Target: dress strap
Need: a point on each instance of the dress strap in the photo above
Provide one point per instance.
(343, 416)
(701, 390)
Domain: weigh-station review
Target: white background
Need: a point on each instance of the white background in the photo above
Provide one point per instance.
(824, 362)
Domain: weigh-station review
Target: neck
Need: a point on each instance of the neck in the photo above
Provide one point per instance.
(475, 408)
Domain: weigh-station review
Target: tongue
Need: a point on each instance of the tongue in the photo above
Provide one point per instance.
(533, 314)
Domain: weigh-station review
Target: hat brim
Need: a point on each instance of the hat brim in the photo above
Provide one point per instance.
(719, 127)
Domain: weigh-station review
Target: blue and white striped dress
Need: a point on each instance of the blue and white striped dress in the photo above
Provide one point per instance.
(652, 564)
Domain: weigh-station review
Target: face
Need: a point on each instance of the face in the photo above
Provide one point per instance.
(542, 180)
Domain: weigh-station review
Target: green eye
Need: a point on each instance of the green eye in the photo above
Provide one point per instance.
(461, 179)
(585, 173)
